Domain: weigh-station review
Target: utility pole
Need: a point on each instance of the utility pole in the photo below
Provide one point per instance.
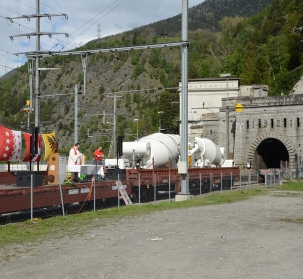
(159, 121)
(98, 32)
(76, 114)
(114, 123)
(226, 118)
(182, 165)
(37, 34)
(137, 120)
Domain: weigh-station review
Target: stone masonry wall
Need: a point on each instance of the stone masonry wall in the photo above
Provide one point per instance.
(279, 117)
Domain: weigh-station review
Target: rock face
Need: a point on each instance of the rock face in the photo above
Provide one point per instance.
(298, 88)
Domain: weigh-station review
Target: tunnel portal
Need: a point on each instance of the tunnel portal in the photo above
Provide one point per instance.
(270, 153)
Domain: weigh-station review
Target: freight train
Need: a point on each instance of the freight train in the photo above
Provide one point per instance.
(152, 161)
(148, 166)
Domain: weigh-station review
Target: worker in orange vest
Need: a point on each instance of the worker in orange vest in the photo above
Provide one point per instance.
(99, 156)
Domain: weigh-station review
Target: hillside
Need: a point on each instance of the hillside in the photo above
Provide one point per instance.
(260, 50)
(207, 15)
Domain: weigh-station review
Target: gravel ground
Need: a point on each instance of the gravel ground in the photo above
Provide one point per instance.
(256, 238)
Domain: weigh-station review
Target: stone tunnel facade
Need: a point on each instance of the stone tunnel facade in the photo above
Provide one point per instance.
(267, 132)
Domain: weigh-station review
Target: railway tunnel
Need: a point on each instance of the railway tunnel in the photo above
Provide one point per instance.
(269, 154)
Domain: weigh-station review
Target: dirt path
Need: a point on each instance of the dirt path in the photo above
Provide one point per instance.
(249, 239)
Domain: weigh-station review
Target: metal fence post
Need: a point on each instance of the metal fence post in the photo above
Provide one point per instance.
(290, 168)
(118, 193)
(270, 178)
(200, 184)
(94, 185)
(210, 182)
(221, 181)
(32, 197)
(249, 180)
(155, 186)
(61, 197)
(169, 187)
(139, 189)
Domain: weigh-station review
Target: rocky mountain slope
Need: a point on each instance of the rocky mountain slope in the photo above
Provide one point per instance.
(137, 75)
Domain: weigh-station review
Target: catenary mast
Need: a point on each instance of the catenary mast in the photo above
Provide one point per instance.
(37, 34)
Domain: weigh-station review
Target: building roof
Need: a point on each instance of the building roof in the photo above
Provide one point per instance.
(212, 79)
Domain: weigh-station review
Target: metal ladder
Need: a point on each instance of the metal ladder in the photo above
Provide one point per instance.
(123, 193)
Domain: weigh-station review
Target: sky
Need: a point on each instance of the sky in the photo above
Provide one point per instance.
(84, 18)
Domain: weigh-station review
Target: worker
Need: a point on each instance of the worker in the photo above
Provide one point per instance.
(99, 156)
(99, 161)
(75, 156)
(74, 161)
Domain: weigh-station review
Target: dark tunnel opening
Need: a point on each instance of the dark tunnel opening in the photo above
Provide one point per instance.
(272, 152)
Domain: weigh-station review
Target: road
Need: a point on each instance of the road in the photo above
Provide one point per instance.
(256, 238)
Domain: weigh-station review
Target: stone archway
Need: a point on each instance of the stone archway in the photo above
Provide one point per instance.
(260, 152)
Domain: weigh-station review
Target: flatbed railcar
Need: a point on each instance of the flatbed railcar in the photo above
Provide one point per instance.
(17, 198)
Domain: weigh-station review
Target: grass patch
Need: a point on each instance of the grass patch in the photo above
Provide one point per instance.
(18, 233)
(293, 220)
(291, 186)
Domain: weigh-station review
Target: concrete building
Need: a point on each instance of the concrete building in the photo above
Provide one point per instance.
(265, 134)
(205, 100)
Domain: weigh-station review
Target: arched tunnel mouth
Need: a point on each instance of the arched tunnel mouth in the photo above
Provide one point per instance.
(270, 153)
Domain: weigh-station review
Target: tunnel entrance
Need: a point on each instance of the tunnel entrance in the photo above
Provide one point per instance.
(269, 154)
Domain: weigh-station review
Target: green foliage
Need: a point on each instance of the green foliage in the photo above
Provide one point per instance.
(101, 89)
(127, 100)
(169, 104)
(258, 49)
(79, 78)
(66, 108)
(136, 98)
(59, 76)
(292, 186)
(138, 70)
(60, 126)
(206, 16)
(155, 59)
(285, 81)
(118, 66)
(135, 57)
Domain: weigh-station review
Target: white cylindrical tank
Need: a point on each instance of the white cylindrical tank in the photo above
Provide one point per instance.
(210, 152)
(139, 148)
(163, 148)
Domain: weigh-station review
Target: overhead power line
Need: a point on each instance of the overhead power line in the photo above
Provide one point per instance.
(94, 21)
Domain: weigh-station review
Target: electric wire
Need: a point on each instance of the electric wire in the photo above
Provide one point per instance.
(95, 21)
(63, 41)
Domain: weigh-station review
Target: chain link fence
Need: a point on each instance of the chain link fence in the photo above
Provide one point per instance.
(32, 195)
